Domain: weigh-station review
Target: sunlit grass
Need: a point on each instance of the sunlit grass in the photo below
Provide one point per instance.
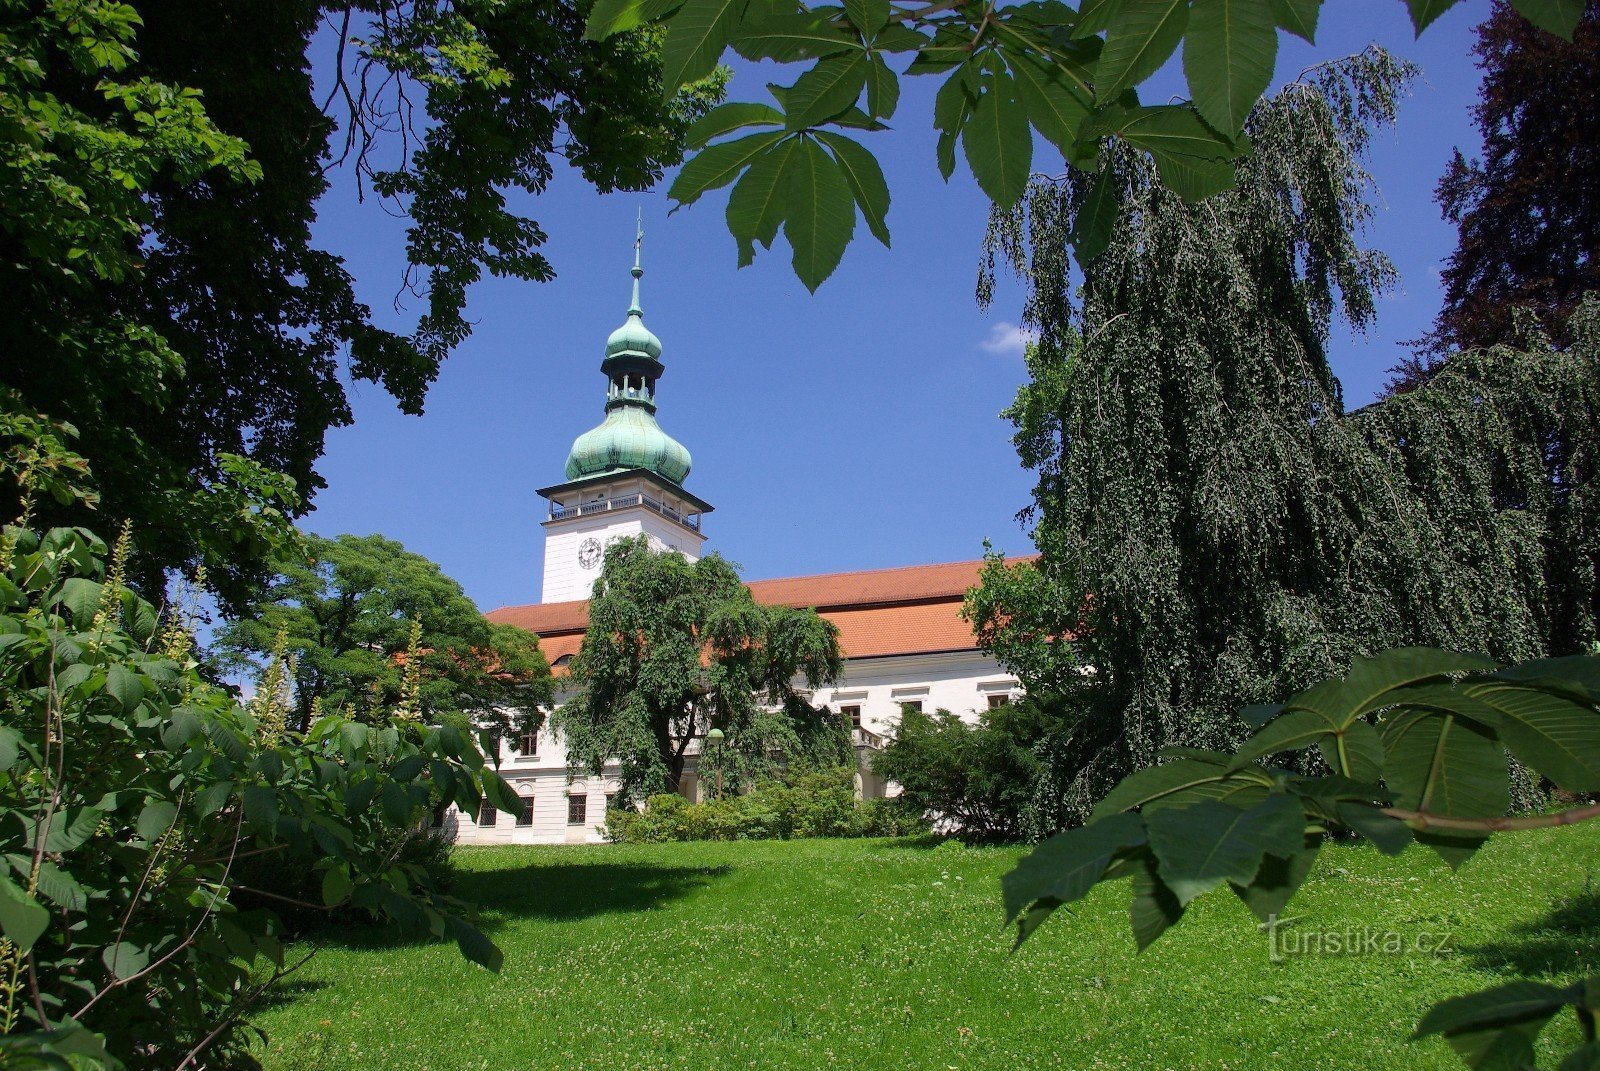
(883, 954)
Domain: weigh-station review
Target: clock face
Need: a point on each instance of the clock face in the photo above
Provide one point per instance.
(589, 553)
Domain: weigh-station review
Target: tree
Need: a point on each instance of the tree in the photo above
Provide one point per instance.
(1068, 74)
(1222, 530)
(132, 787)
(676, 648)
(346, 616)
(160, 168)
(979, 780)
(1528, 213)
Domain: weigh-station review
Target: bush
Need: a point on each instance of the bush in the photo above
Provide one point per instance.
(135, 796)
(820, 803)
(978, 781)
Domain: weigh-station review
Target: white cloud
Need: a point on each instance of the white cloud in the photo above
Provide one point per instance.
(1007, 339)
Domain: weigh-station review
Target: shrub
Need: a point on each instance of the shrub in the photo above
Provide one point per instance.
(815, 803)
(132, 794)
(977, 781)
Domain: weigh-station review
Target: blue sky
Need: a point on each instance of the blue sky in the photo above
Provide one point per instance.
(851, 429)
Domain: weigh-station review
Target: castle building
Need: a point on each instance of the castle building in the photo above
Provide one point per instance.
(900, 630)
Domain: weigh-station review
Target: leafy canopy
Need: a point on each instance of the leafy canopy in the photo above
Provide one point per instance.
(345, 612)
(676, 648)
(161, 165)
(1011, 71)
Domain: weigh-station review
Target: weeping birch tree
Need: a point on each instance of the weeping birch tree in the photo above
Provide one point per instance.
(676, 648)
(1215, 529)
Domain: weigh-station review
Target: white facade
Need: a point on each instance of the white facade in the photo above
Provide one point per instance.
(542, 778)
(586, 518)
(962, 682)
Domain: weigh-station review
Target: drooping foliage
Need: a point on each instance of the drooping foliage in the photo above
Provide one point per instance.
(1013, 74)
(676, 648)
(1205, 510)
(161, 166)
(1528, 212)
(345, 610)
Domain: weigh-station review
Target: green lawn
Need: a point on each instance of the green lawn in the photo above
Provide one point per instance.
(877, 954)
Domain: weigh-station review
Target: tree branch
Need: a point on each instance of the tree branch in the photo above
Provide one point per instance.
(1422, 820)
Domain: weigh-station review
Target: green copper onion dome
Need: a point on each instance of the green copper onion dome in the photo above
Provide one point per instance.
(630, 438)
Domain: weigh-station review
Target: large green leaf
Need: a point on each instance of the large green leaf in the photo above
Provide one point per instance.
(1278, 880)
(71, 828)
(1356, 752)
(1199, 847)
(827, 89)
(1445, 765)
(1229, 53)
(336, 885)
(790, 37)
(1055, 108)
(1559, 17)
(726, 118)
(1195, 178)
(499, 793)
(756, 205)
(22, 918)
(1096, 218)
(866, 181)
(1495, 1029)
(696, 38)
(1423, 12)
(1065, 867)
(1299, 17)
(155, 819)
(1141, 37)
(125, 959)
(1154, 909)
(883, 89)
(1155, 782)
(821, 217)
(473, 944)
(1165, 129)
(998, 140)
(260, 806)
(868, 16)
(1578, 675)
(1288, 732)
(1551, 733)
(124, 685)
(717, 165)
(1364, 689)
(614, 16)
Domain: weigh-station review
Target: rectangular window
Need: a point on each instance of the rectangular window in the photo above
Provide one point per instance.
(851, 715)
(911, 704)
(611, 800)
(525, 818)
(999, 699)
(529, 745)
(577, 810)
(486, 813)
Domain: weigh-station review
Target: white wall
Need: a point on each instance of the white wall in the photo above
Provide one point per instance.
(960, 683)
(565, 580)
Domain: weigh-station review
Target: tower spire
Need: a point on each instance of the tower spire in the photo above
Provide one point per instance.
(638, 243)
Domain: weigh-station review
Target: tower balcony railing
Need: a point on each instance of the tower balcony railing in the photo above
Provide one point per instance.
(558, 512)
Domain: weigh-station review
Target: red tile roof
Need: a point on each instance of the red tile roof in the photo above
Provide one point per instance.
(913, 609)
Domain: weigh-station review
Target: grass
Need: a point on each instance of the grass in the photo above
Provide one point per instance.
(888, 954)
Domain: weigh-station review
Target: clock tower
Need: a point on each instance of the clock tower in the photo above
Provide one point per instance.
(625, 476)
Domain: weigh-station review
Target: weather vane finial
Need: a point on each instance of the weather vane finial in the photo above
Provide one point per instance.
(638, 243)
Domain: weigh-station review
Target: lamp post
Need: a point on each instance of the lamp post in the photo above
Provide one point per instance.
(715, 737)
